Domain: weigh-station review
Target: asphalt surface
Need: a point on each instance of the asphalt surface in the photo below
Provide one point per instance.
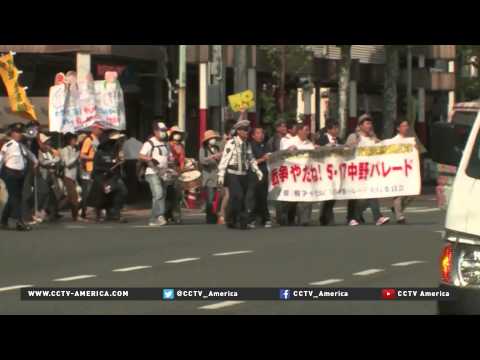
(87, 255)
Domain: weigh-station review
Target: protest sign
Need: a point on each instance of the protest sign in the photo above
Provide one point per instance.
(56, 107)
(385, 170)
(110, 105)
(242, 101)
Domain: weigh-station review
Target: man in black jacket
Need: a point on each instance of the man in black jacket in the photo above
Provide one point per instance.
(328, 137)
(273, 144)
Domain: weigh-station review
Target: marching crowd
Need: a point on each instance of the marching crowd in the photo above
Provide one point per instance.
(87, 175)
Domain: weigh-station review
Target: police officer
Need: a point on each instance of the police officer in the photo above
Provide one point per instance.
(237, 159)
(14, 157)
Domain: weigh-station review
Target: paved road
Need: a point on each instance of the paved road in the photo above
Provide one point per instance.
(197, 255)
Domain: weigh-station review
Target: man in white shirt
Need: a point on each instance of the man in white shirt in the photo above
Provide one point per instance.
(301, 142)
(292, 129)
(400, 203)
(156, 154)
(14, 158)
(365, 136)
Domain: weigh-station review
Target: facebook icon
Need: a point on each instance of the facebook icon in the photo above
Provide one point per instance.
(284, 294)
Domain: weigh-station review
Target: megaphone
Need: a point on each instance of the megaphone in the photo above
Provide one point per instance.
(31, 131)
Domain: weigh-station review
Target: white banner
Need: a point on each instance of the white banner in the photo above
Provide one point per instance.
(386, 170)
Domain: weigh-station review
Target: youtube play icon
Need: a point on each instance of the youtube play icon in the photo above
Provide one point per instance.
(389, 294)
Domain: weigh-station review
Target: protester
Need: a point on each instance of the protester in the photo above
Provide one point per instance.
(400, 203)
(237, 159)
(108, 190)
(292, 128)
(365, 136)
(300, 142)
(14, 158)
(209, 157)
(328, 137)
(155, 153)
(70, 156)
(48, 186)
(229, 124)
(175, 190)
(286, 212)
(273, 145)
(87, 155)
(257, 194)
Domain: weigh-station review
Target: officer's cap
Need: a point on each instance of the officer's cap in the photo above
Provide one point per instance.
(16, 128)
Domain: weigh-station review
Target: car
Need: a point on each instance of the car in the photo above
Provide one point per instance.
(460, 257)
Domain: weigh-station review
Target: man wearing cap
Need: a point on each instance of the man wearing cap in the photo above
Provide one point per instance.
(156, 153)
(175, 190)
(87, 155)
(364, 137)
(209, 157)
(14, 157)
(237, 159)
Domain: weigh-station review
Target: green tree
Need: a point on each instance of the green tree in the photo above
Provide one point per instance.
(288, 62)
(467, 88)
(390, 88)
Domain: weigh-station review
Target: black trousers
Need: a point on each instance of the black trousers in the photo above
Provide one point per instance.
(286, 213)
(257, 198)
(14, 183)
(327, 216)
(237, 203)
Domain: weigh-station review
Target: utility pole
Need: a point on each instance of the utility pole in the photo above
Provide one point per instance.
(182, 88)
(409, 84)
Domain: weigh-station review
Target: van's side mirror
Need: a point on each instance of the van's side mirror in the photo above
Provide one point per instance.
(447, 144)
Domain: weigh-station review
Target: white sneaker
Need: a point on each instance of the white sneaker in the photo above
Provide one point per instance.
(268, 224)
(383, 220)
(251, 226)
(161, 221)
(353, 223)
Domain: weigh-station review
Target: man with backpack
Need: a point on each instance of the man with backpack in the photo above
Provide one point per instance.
(155, 155)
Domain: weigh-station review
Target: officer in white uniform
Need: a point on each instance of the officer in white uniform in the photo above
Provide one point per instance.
(236, 160)
(14, 157)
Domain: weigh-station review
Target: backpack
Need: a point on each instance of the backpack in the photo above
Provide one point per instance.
(142, 166)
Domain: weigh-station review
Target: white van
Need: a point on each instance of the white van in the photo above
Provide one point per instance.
(460, 260)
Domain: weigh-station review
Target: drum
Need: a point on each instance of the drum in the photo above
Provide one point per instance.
(191, 180)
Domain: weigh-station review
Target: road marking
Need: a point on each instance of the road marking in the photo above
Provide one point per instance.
(234, 253)
(133, 268)
(368, 272)
(326, 282)
(15, 287)
(73, 227)
(73, 278)
(221, 305)
(408, 263)
(179, 261)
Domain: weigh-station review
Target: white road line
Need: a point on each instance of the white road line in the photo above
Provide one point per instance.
(368, 272)
(72, 227)
(179, 261)
(221, 305)
(133, 268)
(73, 278)
(326, 282)
(15, 287)
(408, 263)
(234, 253)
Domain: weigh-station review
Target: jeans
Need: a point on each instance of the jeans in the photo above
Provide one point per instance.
(374, 206)
(158, 195)
(86, 187)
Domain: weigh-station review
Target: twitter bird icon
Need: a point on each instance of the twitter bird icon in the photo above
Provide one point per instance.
(168, 294)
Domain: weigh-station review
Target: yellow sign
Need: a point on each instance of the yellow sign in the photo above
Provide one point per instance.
(242, 101)
(17, 96)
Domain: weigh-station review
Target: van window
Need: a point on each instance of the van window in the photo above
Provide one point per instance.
(473, 168)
